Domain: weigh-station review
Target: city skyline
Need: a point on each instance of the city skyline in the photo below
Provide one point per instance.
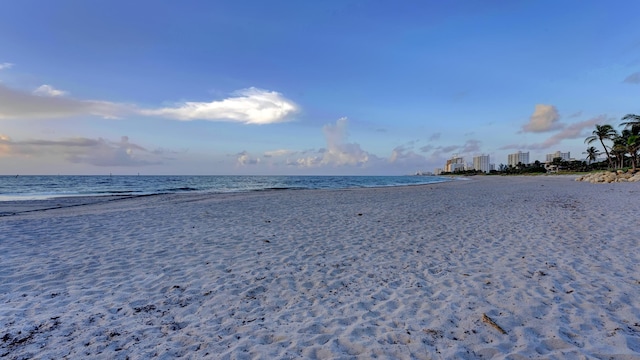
(306, 88)
(483, 162)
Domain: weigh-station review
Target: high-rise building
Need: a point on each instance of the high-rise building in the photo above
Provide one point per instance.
(456, 163)
(519, 157)
(564, 156)
(481, 163)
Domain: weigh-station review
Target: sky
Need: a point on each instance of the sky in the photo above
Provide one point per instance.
(336, 87)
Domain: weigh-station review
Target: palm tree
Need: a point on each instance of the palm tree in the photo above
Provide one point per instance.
(592, 154)
(602, 132)
(618, 151)
(632, 146)
(632, 122)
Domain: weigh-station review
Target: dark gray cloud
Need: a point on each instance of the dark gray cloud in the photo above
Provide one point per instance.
(633, 78)
(467, 148)
(427, 148)
(406, 157)
(15, 104)
(98, 152)
(471, 146)
(575, 115)
(448, 149)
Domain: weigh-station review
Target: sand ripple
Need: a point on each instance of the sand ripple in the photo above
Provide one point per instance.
(391, 273)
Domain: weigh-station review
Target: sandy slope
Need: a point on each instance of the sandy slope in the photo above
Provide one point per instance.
(389, 273)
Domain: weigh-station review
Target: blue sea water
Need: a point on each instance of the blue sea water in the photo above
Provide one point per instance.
(45, 187)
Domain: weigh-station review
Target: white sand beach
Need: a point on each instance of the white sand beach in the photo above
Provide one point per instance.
(415, 272)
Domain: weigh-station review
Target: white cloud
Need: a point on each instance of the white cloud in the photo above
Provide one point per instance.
(48, 90)
(339, 152)
(308, 162)
(5, 66)
(249, 106)
(244, 158)
(544, 118)
(279, 152)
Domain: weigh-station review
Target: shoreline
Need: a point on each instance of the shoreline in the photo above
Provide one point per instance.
(49, 187)
(403, 272)
(15, 207)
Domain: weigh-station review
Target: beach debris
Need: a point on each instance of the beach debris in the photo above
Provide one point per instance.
(434, 333)
(488, 320)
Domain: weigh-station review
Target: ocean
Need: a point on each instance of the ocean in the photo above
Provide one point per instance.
(31, 187)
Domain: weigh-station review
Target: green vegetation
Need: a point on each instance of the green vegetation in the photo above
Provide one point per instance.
(624, 147)
(520, 169)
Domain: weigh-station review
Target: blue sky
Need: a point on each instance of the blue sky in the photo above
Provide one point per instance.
(306, 87)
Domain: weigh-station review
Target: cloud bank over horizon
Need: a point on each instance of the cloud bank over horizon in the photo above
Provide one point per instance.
(340, 153)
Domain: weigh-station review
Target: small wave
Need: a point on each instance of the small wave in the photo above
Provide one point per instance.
(273, 188)
(183, 188)
(118, 192)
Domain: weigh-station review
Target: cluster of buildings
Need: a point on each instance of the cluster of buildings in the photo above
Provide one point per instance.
(482, 162)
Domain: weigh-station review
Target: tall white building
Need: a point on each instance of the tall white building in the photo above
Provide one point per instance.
(564, 156)
(481, 163)
(519, 157)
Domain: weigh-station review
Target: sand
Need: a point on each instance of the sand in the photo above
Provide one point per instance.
(493, 267)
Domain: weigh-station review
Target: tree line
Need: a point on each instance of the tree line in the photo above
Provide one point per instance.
(621, 148)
